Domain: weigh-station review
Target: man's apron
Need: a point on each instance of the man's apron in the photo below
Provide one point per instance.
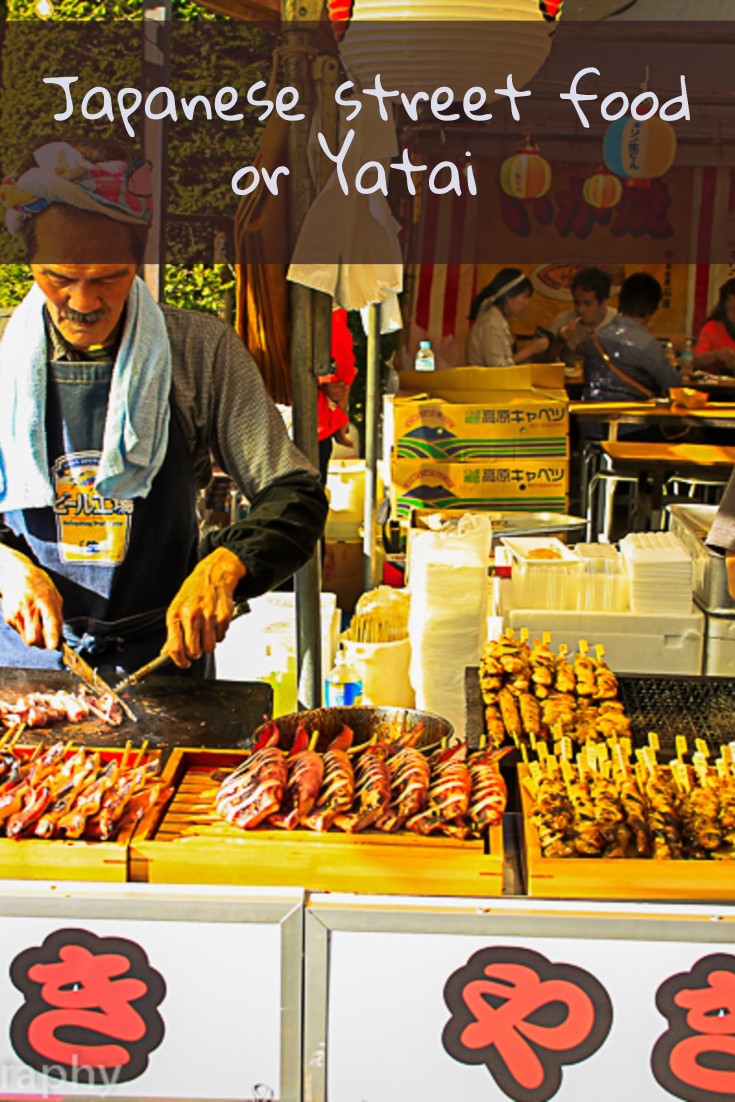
(117, 564)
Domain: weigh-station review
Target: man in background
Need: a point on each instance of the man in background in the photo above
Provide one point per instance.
(590, 312)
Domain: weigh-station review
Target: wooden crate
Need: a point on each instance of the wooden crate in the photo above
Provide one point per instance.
(618, 878)
(70, 859)
(191, 844)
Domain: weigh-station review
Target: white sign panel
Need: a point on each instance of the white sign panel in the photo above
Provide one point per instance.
(438, 1017)
(167, 1009)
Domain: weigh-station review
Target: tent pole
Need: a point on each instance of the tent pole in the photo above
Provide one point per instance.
(372, 414)
(303, 379)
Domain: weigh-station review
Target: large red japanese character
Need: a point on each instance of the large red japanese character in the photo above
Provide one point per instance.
(643, 211)
(695, 1058)
(524, 1017)
(91, 1007)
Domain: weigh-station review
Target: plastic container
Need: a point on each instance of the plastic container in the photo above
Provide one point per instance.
(343, 685)
(719, 648)
(545, 573)
(424, 357)
(655, 644)
(691, 523)
(604, 586)
(346, 489)
(383, 668)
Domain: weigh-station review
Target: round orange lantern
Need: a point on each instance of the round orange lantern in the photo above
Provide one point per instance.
(602, 190)
(641, 150)
(525, 175)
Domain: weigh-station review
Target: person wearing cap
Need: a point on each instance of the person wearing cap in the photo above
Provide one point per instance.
(112, 409)
(490, 341)
(590, 292)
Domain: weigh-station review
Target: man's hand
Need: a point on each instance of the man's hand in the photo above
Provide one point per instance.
(200, 613)
(565, 331)
(31, 601)
(730, 564)
(342, 436)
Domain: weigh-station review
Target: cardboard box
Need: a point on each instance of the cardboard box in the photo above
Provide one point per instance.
(513, 425)
(503, 484)
(343, 570)
(480, 384)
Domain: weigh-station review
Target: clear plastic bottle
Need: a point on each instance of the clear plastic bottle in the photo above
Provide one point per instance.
(670, 353)
(424, 357)
(343, 686)
(686, 357)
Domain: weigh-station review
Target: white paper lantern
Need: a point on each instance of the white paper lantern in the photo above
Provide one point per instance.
(420, 45)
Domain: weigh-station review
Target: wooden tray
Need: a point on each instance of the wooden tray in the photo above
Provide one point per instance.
(70, 859)
(618, 878)
(190, 844)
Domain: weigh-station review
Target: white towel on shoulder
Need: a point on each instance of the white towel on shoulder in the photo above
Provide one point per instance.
(137, 422)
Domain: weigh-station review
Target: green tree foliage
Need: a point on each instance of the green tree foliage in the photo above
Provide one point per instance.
(202, 158)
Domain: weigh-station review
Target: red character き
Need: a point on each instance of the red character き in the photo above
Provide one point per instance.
(91, 1007)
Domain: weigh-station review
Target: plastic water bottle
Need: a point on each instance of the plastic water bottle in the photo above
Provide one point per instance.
(686, 359)
(424, 357)
(670, 353)
(343, 686)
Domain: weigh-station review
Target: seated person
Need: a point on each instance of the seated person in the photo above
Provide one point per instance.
(571, 328)
(623, 362)
(715, 347)
(490, 341)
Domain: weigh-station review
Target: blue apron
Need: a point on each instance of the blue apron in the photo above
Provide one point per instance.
(116, 564)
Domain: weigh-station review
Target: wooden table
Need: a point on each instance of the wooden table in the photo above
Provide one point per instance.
(662, 460)
(613, 414)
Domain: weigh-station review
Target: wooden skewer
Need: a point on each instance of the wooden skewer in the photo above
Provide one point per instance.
(141, 754)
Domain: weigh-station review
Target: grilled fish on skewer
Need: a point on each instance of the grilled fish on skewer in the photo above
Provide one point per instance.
(449, 791)
(338, 784)
(255, 790)
(489, 794)
(409, 774)
(372, 792)
(305, 774)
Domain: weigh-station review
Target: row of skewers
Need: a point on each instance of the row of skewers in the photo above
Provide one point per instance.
(532, 694)
(603, 805)
(63, 791)
(46, 709)
(387, 785)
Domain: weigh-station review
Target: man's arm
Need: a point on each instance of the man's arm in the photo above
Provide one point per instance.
(223, 399)
(659, 367)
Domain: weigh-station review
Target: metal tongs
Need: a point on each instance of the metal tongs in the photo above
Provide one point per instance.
(81, 669)
(164, 657)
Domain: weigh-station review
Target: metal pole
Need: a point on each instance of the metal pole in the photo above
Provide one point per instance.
(372, 413)
(155, 72)
(303, 379)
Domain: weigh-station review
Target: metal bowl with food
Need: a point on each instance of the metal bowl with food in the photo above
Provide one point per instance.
(383, 724)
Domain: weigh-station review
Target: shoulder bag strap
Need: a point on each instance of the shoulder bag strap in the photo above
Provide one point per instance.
(621, 374)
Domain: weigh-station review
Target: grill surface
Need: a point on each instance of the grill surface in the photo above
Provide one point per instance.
(696, 707)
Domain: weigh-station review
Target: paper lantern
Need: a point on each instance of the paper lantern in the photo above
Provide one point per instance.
(602, 189)
(420, 45)
(525, 175)
(640, 150)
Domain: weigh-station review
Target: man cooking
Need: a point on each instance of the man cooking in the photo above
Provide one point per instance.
(111, 408)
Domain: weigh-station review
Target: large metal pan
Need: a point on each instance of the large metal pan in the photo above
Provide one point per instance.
(364, 722)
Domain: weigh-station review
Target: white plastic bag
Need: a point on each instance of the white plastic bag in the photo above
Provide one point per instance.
(448, 619)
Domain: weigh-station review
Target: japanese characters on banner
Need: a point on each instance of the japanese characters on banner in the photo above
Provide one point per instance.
(529, 1020)
(140, 1009)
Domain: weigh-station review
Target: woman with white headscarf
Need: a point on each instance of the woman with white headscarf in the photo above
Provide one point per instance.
(490, 341)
